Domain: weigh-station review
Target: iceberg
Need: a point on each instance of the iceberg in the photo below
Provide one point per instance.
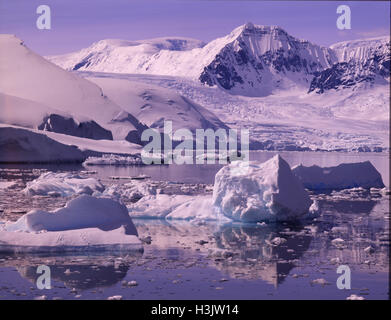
(254, 192)
(85, 223)
(62, 184)
(343, 176)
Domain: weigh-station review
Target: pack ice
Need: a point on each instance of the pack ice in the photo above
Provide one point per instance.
(86, 223)
(253, 191)
(343, 176)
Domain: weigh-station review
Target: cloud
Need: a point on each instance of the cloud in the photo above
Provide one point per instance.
(374, 33)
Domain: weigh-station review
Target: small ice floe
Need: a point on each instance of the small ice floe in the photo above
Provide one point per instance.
(338, 242)
(132, 191)
(62, 184)
(320, 281)
(252, 191)
(132, 283)
(343, 176)
(355, 297)
(369, 249)
(7, 184)
(118, 297)
(277, 241)
(341, 229)
(84, 224)
(113, 160)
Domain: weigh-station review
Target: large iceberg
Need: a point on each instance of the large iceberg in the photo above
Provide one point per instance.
(252, 191)
(62, 184)
(85, 223)
(343, 176)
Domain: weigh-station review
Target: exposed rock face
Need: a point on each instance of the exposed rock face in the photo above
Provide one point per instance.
(261, 59)
(24, 146)
(86, 129)
(361, 62)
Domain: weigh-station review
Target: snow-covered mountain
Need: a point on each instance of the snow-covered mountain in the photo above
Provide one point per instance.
(50, 90)
(35, 93)
(252, 60)
(361, 63)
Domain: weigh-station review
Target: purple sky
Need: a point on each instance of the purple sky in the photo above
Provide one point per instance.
(78, 23)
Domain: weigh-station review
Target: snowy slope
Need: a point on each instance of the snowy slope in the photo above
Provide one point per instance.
(153, 105)
(57, 89)
(110, 53)
(294, 120)
(251, 60)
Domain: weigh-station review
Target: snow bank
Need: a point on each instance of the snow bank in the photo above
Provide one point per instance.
(85, 223)
(62, 184)
(20, 145)
(182, 207)
(254, 191)
(343, 176)
(113, 160)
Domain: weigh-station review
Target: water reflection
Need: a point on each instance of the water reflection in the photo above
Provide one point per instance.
(266, 252)
(75, 272)
(271, 252)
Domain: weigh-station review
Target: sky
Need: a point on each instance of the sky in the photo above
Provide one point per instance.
(76, 24)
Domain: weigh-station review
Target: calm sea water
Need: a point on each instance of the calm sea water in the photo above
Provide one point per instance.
(233, 261)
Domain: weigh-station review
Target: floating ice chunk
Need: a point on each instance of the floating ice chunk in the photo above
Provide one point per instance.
(113, 160)
(83, 240)
(355, 297)
(82, 212)
(63, 184)
(343, 176)
(198, 208)
(132, 191)
(264, 191)
(85, 223)
(182, 207)
(320, 281)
